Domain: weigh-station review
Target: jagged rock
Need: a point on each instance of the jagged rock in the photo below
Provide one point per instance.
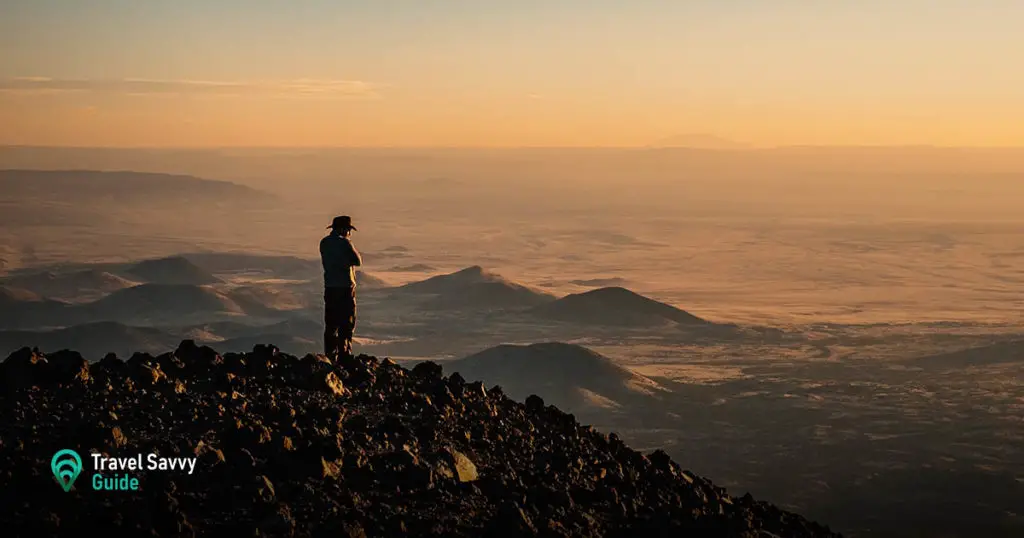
(329, 469)
(147, 375)
(68, 367)
(360, 447)
(534, 403)
(330, 382)
(428, 370)
(196, 358)
(265, 490)
(476, 389)
(208, 455)
(108, 367)
(23, 369)
(459, 465)
(27, 367)
(139, 358)
(117, 438)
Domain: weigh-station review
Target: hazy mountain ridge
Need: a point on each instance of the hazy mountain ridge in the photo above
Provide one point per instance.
(571, 376)
(206, 287)
(21, 309)
(152, 304)
(69, 285)
(117, 186)
(457, 281)
(471, 289)
(615, 306)
(170, 270)
(448, 313)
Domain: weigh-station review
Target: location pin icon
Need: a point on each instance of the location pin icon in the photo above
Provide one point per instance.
(66, 466)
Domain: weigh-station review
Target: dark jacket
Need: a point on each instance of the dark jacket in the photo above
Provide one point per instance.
(340, 258)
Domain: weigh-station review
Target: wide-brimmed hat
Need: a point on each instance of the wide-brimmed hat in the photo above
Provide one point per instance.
(343, 222)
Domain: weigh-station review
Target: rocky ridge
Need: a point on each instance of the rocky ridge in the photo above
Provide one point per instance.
(291, 446)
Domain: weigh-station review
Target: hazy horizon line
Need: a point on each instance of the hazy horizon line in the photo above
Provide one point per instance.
(747, 149)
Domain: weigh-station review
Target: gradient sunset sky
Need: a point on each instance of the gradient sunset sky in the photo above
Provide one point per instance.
(510, 73)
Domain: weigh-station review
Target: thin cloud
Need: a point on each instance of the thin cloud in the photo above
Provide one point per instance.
(299, 88)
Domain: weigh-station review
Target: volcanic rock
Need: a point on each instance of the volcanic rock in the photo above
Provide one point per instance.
(288, 446)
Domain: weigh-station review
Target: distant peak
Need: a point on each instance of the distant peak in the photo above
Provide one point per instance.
(475, 273)
(615, 305)
(612, 290)
(557, 346)
(175, 269)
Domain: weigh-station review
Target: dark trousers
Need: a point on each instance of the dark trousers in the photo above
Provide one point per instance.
(339, 320)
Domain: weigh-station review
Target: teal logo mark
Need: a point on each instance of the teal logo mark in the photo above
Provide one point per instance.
(66, 466)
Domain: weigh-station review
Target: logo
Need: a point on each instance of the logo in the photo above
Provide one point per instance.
(66, 466)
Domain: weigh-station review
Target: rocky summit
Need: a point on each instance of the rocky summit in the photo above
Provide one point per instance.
(289, 446)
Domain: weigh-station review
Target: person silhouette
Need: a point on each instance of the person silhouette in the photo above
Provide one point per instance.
(340, 258)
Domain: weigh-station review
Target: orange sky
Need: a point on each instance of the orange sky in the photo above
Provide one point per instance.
(527, 73)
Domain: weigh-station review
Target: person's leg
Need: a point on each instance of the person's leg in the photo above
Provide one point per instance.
(332, 322)
(348, 321)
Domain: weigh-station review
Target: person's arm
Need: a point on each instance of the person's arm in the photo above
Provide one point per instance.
(323, 255)
(357, 260)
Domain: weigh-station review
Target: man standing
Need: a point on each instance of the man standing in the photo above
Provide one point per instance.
(340, 258)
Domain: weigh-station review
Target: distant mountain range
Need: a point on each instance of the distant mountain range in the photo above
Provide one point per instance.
(456, 282)
(475, 288)
(20, 308)
(78, 279)
(163, 301)
(142, 304)
(614, 306)
(241, 299)
(171, 270)
(69, 285)
(570, 376)
(95, 186)
(472, 288)
(136, 202)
